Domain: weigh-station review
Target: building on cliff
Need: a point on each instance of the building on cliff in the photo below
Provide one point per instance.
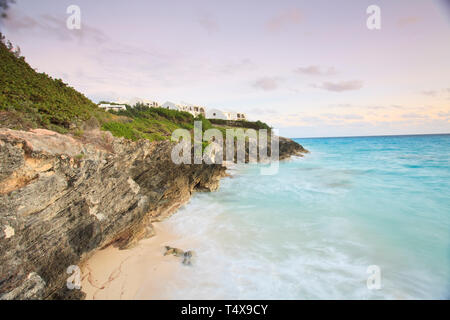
(115, 107)
(225, 115)
(171, 106)
(195, 110)
(135, 101)
(192, 109)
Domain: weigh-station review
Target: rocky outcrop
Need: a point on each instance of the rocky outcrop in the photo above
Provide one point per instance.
(289, 147)
(63, 198)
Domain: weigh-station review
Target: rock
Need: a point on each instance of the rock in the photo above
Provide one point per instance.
(174, 251)
(187, 256)
(31, 288)
(62, 209)
(61, 199)
(181, 254)
(286, 148)
(289, 147)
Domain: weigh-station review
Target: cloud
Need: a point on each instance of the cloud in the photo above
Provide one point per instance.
(267, 111)
(368, 107)
(237, 66)
(430, 93)
(208, 23)
(445, 115)
(340, 86)
(55, 27)
(413, 115)
(341, 105)
(435, 93)
(291, 16)
(266, 84)
(349, 116)
(405, 21)
(316, 71)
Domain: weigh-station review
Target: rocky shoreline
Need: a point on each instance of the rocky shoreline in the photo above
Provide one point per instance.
(63, 198)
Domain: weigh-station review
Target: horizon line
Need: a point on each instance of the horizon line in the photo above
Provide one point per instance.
(375, 136)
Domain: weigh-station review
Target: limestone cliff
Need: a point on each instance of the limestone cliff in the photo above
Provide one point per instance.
(62, 198)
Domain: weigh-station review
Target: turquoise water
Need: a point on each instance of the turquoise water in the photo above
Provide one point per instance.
(312, 230)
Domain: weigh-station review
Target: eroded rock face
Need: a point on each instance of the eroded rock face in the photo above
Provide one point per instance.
(60, 200)
(289, 147)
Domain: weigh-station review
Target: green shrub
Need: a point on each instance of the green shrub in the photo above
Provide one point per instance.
(242, 124)
(122, 130)
(48, 102)
(206, 124)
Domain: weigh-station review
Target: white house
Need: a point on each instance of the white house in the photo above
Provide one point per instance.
(217, 114)
(146, 102)
(225, 115)
(241, 116)
(115, 107)
(194, 110)
(172, 106)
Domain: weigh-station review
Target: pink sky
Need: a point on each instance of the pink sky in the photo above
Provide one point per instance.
(309, 68)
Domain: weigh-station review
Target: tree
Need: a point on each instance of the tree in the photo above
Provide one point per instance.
(17, 52)
(4, 5)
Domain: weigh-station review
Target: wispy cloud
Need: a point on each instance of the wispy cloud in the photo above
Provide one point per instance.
(445, 115)
(292, 16)
(54, 27)
(316, 71)
(266, 84)
(430, 93)
(413, 115)
(405, 21)
(207, 22)
(348, 116)
(267, 111)
(340, 86)
(435, 93)
(237, 66)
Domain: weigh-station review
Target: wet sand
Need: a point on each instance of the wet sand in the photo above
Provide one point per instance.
(137, 273)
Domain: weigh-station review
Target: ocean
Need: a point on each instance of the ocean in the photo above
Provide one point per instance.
(313, 230)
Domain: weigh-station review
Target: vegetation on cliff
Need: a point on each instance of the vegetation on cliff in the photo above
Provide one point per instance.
(29, 99)
(143, 122)
(257, 125)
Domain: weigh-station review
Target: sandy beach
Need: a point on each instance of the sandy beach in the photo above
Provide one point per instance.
(137, 273)
(142, 272)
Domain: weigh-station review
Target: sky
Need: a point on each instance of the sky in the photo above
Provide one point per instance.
(308, 68)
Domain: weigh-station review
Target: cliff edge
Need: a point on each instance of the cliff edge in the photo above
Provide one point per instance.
(61, 199)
